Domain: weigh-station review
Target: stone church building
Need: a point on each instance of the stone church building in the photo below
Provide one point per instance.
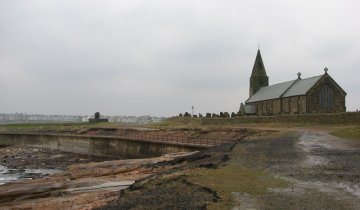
(318, 94)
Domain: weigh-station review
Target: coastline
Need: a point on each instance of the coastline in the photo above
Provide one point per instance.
(21, 162)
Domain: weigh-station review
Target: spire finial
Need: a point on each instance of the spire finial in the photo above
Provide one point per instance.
(258, 46)
(326, 70)
(299, 75)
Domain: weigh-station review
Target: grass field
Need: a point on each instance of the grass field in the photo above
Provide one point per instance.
(203, 123)
(55, 127)
(232, 178)
(352, 132)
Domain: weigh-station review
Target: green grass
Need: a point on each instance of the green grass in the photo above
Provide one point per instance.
(31, 125)
(208, 123)
(348, 132)
(286, 121)
(236, 176)
(232, 178)
(55, 127)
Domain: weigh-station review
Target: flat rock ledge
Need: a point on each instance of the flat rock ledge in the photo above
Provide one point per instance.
(82, 186)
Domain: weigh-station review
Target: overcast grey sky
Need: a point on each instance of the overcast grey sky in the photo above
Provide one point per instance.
(161, 57)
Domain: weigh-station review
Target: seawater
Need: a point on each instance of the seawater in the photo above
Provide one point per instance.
(5, 176)
(10, 175)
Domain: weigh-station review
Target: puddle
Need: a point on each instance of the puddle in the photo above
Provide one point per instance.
(337, 188)
(5, 176)
(312, 160)
(10, 175)
(310, 141)
(244, 201)
(109, 186)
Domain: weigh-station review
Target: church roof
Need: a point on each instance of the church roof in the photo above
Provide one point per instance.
(302, 86)
(285, 89)
(270, 92)
(258, 68)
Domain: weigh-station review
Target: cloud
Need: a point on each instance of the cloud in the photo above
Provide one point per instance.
(162, 57)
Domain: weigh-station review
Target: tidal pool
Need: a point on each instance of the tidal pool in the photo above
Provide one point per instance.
(11, 175)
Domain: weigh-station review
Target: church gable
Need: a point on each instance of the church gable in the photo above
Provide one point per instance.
(326, 96)
(326, 79)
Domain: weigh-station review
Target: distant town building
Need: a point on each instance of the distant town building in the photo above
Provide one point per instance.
(37, 118)
(318, 94)
(97, 118)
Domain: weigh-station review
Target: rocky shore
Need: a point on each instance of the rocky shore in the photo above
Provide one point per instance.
(92, 183)
(30, 157)
(76, 181)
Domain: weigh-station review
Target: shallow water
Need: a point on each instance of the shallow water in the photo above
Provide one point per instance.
(10, 175)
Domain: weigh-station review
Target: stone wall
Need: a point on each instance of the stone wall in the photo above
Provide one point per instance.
(96, 146)
(297, 105)
(331, 118)
(291, 105)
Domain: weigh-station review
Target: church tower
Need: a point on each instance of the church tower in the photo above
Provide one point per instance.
(258, 77)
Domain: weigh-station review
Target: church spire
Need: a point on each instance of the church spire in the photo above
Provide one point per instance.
(259, 68)
(258, 77)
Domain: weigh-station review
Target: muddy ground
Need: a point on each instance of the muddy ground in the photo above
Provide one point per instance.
(320, 171)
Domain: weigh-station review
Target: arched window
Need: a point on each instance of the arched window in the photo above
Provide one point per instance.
(326, 98)
(300, 105)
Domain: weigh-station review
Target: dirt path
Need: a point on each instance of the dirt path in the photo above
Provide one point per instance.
(324, 171)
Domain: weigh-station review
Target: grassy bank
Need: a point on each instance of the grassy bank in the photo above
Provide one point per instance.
(236, 176)
(352, 132)
(54, 127)
(205, 123)
(284, 121)
(232, 178)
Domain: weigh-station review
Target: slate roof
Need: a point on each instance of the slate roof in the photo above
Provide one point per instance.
(285, 89)
(258, 68)
(302, 86)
